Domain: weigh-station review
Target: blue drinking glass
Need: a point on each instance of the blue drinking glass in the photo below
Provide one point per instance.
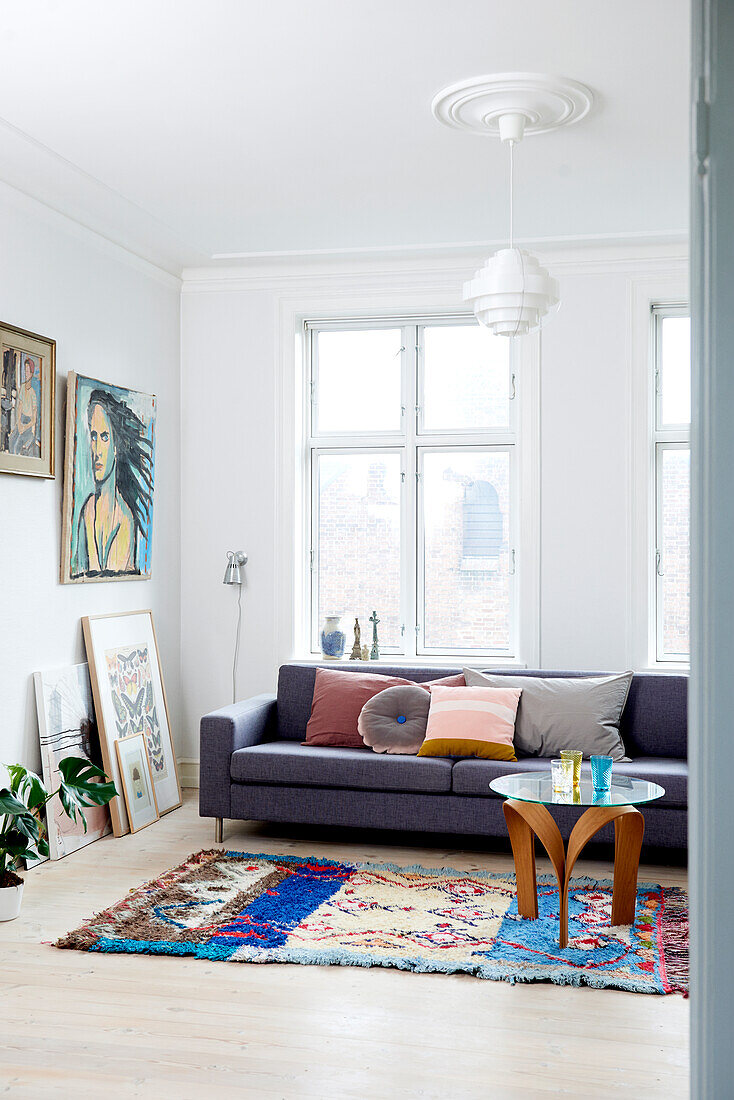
(601, 772)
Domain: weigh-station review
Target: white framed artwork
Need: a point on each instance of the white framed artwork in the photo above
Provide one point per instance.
(137, 782)
(130, 699)
(67, 727)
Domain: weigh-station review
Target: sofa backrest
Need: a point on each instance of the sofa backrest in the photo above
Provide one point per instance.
(654, 721)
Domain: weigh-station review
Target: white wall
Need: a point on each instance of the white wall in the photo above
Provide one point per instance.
(584, 476)
(114, 318)
(237, 347)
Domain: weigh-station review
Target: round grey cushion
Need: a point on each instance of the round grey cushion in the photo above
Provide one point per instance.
(395, 719)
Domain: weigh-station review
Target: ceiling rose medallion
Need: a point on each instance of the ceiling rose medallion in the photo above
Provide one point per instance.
(512, 294)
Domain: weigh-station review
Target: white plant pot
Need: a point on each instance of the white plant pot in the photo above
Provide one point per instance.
(10, 899)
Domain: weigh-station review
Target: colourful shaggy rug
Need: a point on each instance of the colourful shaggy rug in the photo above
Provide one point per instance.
(268, 908)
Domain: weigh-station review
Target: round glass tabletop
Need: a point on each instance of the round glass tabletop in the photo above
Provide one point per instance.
(537, 787)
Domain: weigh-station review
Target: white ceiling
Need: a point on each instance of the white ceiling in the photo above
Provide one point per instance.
(191, 128)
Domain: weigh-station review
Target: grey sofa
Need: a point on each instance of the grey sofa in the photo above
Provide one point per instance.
(254, 767)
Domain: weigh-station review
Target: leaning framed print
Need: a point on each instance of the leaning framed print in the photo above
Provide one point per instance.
(137, 782)
(109, 477)
(130, 698)
(67, 726)
(27, 402)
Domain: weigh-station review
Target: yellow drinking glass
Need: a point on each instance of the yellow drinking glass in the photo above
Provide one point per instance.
(575, 756)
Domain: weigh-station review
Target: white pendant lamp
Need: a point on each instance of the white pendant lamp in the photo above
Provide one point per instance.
(512, 294)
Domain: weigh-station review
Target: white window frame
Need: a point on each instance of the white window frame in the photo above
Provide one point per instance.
(670, 437)
(521, 437)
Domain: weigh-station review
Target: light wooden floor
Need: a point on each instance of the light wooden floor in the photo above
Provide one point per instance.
(82, 1025)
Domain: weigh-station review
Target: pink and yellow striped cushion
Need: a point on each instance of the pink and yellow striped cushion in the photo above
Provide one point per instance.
(472, 721)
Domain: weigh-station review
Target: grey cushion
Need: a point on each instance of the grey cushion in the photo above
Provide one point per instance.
(283, 762)
(557, 713)
(472, 777)
(395, 720)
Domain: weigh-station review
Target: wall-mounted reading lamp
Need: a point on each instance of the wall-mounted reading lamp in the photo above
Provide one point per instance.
(234, 574)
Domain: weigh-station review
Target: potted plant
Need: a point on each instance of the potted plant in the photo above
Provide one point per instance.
(22, 831)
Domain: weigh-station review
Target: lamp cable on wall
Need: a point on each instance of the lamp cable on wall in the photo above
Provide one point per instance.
(237, 644)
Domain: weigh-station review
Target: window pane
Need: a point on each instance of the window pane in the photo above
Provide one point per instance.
(466, 376)
(358, 387)
(675, 370)
(675, 483)
(359, 542)
(466, 500)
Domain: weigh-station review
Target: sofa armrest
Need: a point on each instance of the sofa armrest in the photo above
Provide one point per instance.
(221, 733)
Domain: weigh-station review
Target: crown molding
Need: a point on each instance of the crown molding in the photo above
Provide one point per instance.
(432, 266)
(448, 248)
(44, 176)
(63, 189)
(36, 209)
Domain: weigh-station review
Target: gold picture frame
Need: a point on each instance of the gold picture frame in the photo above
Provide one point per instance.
(27, 402)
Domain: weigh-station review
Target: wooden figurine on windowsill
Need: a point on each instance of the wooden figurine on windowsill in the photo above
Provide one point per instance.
(356, 654)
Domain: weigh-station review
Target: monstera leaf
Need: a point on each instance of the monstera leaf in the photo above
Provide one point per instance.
(22, 834)
(27, 785)
(83, 784)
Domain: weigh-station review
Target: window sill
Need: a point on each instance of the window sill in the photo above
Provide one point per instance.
(665, 666)
(397, 660)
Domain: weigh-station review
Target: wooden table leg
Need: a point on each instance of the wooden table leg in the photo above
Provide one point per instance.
(629, 826)
(629, 830)
(525, 821)
(522, 839)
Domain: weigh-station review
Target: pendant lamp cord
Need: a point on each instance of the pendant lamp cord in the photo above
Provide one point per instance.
(512, 219)
(512, 234)
(237, 643)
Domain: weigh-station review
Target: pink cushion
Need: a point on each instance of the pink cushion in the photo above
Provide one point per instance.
(457, 681)
(472, 721)
(338, 698)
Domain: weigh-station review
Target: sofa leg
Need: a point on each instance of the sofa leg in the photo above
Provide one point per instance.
(218, 830)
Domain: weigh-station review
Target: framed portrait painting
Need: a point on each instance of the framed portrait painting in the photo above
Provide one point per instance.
(130, 699)
(67, 727)
(109, 478)
(137, 781)
(27, 402)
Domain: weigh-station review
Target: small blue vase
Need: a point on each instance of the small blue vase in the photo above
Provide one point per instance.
(333, 639)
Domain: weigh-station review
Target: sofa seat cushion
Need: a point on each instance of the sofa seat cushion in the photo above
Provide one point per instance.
(670, 774)
(291, 764)
(474, 776)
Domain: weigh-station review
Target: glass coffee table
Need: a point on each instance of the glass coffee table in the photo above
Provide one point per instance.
(528, 795)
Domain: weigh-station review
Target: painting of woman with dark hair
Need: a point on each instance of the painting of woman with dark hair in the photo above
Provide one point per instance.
(112, 470)
(117, 509)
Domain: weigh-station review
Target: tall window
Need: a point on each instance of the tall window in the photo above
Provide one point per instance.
(413, 466)
(672, 458)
